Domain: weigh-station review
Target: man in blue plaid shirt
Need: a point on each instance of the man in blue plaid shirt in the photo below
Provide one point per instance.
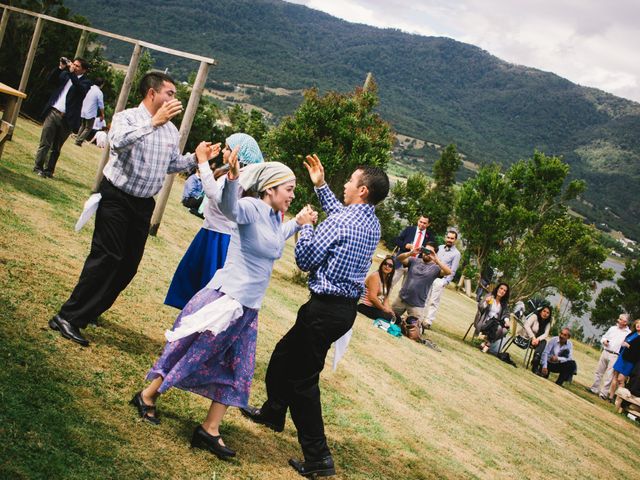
(144, 148)
(337, 256)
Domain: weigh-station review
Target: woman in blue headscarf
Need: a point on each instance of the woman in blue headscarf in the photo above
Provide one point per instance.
(208, 250)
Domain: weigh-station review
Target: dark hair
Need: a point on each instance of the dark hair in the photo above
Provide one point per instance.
(83, 63)
(387, 284)
(542, 323)
(505, 299)
(376, 181)
(454, 232)
(153, 80)
(99, 81)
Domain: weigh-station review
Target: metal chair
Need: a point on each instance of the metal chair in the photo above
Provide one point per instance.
(518, 315)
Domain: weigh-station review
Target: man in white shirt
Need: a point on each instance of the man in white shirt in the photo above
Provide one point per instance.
(92, 107)
(450, 256)
(611, 343)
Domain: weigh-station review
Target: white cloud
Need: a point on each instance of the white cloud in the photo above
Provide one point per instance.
(590, 42)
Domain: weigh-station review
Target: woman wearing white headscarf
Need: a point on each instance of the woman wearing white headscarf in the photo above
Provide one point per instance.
(208, 250)
(211, 347)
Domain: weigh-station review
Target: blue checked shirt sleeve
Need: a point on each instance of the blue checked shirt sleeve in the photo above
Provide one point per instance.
(330, 204)
(313, 245)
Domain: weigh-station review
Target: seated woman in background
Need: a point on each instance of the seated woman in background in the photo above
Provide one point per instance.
(374, 302)
(492, 317)
(628, 358)
(536, 328)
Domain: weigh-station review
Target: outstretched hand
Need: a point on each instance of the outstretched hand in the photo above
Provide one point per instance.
(307, 216)
(166, 112)
(205, 151)
(234, 164)
(315, 169)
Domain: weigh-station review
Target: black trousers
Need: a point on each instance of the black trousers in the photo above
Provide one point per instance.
(565, 370)
(373, 312)
(119, 237)
(293, 373)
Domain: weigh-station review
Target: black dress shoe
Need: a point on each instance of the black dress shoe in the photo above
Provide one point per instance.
(144, 410)
(319, 468)
(255, 415)
(202, 439)
(68, 330)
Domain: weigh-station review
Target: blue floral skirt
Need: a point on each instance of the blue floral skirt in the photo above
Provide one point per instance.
(219, 367)
(206, 254)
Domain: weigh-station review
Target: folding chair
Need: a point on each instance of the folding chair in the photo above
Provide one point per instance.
(518, 315)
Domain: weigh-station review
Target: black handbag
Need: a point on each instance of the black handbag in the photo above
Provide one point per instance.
(521, 341)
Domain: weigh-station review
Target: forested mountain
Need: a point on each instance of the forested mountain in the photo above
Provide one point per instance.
(431, 88)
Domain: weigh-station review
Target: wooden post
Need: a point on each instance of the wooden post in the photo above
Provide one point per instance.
(3, 24)
(82, 44)
(367, 81)
(26, 71)
(185, 128)
(122, 102)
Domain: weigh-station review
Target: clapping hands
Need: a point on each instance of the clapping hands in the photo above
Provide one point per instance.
(205, 151)
(307, 216)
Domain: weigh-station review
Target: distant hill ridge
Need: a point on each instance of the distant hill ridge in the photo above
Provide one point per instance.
(431, 88)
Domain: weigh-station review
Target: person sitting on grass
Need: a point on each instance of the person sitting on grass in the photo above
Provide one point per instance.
(558, 357)
(374, 303)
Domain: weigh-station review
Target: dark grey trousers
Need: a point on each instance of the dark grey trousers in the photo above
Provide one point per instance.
(85, 129)
(55, 132)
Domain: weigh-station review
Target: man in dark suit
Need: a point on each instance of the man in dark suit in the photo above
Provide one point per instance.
(410, 238)
(62, 112)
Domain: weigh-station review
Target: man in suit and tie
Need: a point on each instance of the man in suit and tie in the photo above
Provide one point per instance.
(62, 112)
(410, 238)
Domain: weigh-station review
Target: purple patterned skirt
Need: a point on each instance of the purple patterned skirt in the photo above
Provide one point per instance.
(219, 367)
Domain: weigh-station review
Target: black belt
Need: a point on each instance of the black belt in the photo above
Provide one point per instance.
(609, 351)
(334, 299)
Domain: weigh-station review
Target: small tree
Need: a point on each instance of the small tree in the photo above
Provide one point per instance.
(341, 129)
(623, 297)
(520, 223)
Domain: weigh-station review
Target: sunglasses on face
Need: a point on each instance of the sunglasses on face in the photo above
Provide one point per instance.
(387, 264)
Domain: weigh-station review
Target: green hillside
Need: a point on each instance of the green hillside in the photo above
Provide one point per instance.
(431, 88)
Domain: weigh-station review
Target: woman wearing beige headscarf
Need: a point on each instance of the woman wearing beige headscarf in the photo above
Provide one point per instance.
(211, 348)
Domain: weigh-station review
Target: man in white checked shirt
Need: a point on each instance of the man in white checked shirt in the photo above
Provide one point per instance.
(144, 148)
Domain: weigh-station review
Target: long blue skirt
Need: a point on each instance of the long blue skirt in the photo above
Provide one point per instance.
(206, 254)
(219, 367)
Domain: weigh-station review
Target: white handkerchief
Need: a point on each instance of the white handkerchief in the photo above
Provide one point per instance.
(90, 207)
(341, 347)
(215, 317)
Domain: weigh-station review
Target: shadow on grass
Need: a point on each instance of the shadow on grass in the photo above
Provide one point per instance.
(123, 338)
(45, 433)
(33, 185)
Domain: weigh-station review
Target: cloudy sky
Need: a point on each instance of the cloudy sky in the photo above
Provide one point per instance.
(595, 43)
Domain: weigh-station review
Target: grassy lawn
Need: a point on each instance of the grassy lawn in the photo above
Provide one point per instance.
(393, 409)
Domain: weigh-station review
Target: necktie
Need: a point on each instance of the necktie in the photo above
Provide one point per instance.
(418, 240)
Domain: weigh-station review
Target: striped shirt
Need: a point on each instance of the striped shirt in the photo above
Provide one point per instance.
(141, 154)
(338, 252)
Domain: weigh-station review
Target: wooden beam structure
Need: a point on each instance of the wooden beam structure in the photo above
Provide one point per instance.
(194, 99)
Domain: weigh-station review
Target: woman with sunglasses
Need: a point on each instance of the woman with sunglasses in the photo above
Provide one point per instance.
(374, 302)
(208, 250)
